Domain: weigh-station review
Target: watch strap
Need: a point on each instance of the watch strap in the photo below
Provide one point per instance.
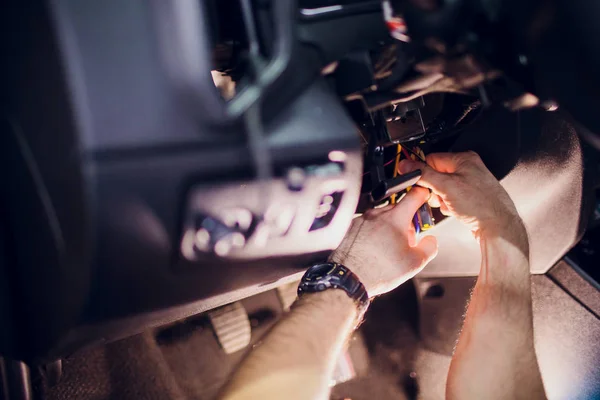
(321, 277)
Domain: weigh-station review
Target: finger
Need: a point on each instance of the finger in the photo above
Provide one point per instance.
(438, 182)
(427, 249)
(404, 211)
(444, 162)
(435, 201)
(405, 166)
(430, 178)
(444, 209)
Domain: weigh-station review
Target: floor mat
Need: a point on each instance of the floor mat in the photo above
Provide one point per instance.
(442, 306)
(198, 363)
(132, 368)
(184, 361)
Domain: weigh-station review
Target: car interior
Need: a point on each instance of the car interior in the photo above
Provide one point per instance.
(171, 168)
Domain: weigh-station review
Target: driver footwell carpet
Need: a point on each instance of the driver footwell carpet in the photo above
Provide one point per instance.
(184, 361)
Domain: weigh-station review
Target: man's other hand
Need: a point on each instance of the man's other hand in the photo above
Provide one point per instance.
(381, 247)
(464, 188)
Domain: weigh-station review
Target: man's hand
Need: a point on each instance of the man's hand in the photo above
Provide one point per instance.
(464, 188)
(381, 246)
(495, 356)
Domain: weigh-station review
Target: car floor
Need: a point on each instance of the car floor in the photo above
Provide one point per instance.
(408, 346)
(185, 361)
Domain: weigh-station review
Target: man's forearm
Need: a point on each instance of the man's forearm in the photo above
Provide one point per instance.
(495, 356)
(297, 357)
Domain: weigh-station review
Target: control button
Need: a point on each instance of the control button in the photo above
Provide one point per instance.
(325, 206)
(237, 218)
(295, 178)
(261, 234)
(326, 210)
(228, 243)
(279, 218)
(212, 235)
(202, 240)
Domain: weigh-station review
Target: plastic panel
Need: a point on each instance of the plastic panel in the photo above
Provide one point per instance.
(547, 185)
(115, 151)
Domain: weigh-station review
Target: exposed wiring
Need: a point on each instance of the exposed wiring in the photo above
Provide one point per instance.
(398, 153)
(405, 153)
(413, 152)
(385, 165)
(473, 106)
(401, 150)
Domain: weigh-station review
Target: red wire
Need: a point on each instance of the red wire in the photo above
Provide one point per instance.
(405, 153)
(389, 162)
(386, 164)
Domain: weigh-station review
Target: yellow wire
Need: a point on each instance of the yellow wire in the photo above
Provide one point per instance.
(415, 153)
(398, 152)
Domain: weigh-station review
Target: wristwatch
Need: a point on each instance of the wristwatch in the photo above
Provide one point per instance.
(325, 276)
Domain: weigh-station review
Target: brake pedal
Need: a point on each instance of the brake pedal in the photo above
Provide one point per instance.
(232, 327)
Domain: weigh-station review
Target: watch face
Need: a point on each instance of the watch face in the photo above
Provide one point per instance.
(321, 270)
(321, 277)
